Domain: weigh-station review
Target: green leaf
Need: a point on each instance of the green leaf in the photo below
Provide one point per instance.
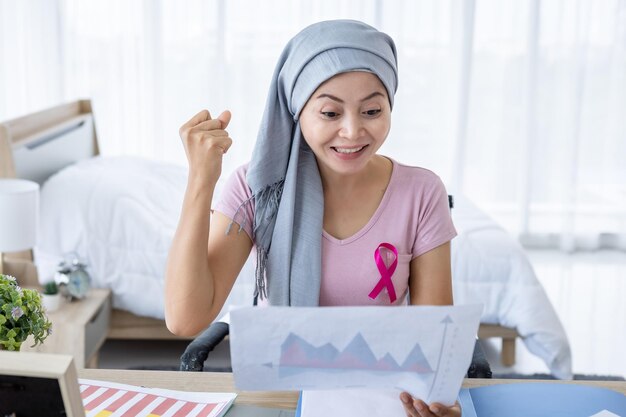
(33, 321)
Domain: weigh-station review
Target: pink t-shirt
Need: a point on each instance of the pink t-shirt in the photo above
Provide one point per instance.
(413, 216)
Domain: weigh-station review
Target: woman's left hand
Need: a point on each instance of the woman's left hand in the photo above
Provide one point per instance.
(418, 408)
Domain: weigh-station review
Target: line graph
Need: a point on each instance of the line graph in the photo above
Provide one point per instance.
(424, 350)
(298, 355)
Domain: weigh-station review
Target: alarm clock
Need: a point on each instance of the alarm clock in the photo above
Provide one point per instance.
(72, 278)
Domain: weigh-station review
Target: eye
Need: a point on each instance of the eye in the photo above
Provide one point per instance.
(372, 112)
(330, 114)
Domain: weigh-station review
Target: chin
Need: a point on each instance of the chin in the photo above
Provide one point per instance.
(348, 167)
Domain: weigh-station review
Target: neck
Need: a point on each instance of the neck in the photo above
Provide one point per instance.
(378, 169)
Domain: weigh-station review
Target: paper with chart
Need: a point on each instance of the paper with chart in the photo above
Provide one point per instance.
(425, 350)
(104, 398)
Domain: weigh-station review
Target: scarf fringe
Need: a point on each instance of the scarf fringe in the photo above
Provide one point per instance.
(266, 201)
(260, 292)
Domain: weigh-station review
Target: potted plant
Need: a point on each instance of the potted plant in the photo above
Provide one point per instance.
(51, 297)
(21, 315)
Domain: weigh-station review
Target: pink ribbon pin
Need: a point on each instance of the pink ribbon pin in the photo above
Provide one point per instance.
(385, 272)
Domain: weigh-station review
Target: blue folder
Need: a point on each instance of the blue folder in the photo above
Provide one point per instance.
(299, 406)
(540, 399)
(535, 399)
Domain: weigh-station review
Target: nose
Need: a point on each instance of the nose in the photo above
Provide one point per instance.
(351, 126)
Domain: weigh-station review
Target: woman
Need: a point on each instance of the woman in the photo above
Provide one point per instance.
(316, 200)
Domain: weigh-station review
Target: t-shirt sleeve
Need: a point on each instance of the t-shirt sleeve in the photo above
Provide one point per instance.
(435, 225)
(235, 200)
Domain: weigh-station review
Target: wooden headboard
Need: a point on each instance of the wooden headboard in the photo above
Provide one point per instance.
(36, 146)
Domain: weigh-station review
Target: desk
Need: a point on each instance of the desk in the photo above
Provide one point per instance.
(223, 382)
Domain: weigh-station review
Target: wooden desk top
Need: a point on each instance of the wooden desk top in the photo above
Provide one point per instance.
(223, 382)
(194, 381)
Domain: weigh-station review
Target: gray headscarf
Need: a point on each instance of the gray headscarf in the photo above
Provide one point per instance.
(283, 173)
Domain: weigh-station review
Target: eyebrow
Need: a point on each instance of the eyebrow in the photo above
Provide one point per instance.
(330, 96)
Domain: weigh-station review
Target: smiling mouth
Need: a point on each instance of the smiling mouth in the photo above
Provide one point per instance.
(347, 151)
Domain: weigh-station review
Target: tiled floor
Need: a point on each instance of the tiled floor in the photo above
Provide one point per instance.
(588, 291)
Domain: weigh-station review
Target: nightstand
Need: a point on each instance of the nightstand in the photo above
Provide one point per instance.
(79, 328)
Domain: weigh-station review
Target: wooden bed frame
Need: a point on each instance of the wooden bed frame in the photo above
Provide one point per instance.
(43, 127)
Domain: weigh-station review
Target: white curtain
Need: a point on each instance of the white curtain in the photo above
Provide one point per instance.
(520, 105)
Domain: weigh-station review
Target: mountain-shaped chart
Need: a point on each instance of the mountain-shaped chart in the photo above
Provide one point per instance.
(297, 355)
(295, 348)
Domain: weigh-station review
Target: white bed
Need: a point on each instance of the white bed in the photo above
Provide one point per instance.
(119, 215)
(490, 267)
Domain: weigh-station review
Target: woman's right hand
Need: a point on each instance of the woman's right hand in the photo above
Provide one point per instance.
(206, 142)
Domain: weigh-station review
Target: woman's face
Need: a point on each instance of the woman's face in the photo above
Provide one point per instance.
(346, 120)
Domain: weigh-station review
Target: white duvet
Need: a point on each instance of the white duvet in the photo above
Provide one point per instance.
(119, 215)
(490, 267)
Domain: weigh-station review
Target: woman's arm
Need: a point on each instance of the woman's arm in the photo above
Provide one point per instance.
(200, 276)
(430, 280)
(203, 261)
(430, 283)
